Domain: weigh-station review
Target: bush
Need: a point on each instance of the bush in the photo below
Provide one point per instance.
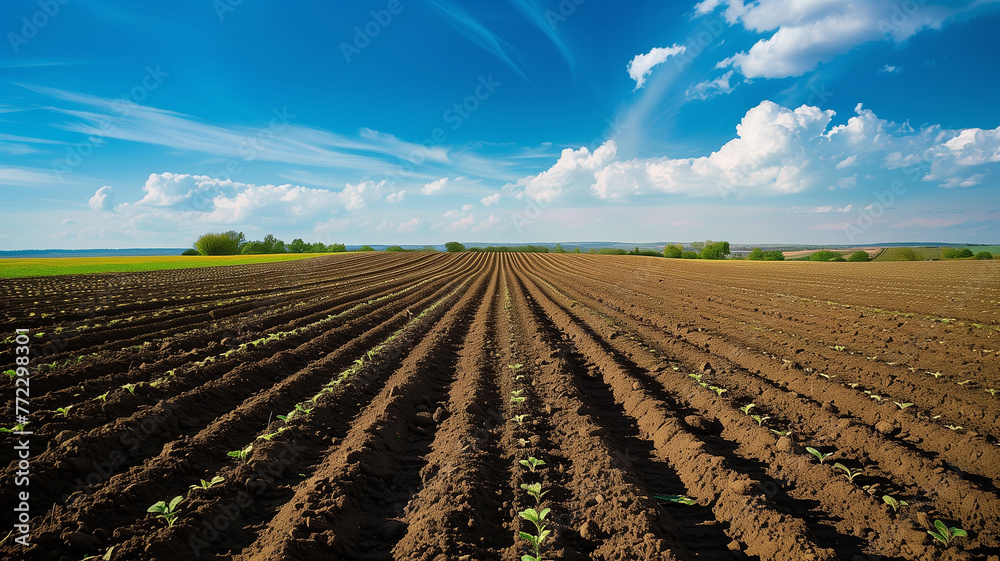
(760, 255)
(955, 253)
(365, 248)
(559, 249)
(454, 247)
(253, 248)
(715, 250)
(824, 255)
(673, 251)
(611, 251)
(395, 249)
(336, 248)
(984, 255)
(191, 252)
(216, 244)
(690, 255)
(645, 252)
(859, 257)
(907, 254)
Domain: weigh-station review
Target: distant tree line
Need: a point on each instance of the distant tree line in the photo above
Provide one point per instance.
(235, 243)
(700, 250)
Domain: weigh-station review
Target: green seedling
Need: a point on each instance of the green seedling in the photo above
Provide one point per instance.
(241, 455)
(517, 400)
(760, 420)
(849, 473)
(678, 499)
(517, 366)
(821, 456)
(523, 442)
(105, 557)
(839, 347)
(103, 397)
(893, 502)
(992, 391)
(130, 388)
(695, 376)
(953, 427)
(166, 511)
(945, 534)
(936, 374)
(269, 435)
(718, 390)
(746, 408)
(876, 397)
(827, 376)
(963, 383)
(11, 373)
(516, 393)
(208, 484)
(903, 405)
(535, 490)
(519, 419)
(538, 519)
(64, 411)
(781, 432)
(532, 463)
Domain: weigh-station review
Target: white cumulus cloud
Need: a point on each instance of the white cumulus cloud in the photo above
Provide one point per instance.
(434, 186)
(491, 200)
(640, 66)
(396, 197)
(101, 199)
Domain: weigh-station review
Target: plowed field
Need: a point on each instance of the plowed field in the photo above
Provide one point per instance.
(410, 387)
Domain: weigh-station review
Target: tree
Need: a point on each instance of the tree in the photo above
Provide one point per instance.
(216, 244)
(336, 248)
(756, 255)
(698, 246)
(690, 255)
(859, 257)
(673, 251)
(715, 250)
(955, 253)
(191, 252)
(298, 246)
(559, 249)
(253, 248)
(577, 250)
(824, 255)
(394, 249)
(984, 255)
(454, 247)
(317, 247)
(237, 237)
(366, 248)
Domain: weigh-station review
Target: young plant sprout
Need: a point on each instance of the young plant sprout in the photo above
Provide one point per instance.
(538, 519)
(64, 411)
(678, 499)
(269, 435)
(695, 376)
(515, 366)
(517, 400)
(130, 388)
(760, 420)
(746, 408)
(718, 390)
(944, 534)
(103, 397)
(532, 463)
(166, 511)
(893, 502)
(821, 456)
(11, 373)
(105, 557)
(535, 490)
(208, 484)
(519, 419)
(849, 473)
(902, 405)
(241, 455)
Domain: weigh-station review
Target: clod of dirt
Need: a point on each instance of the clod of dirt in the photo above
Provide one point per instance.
(829, 407)
(425, 419)
(705, 367)
(886, 428)
(63, 436)
(636, 386)
(535, 440)
(81, 541)
(588, 530)
(785, 444)
(440, 414)
(699, 423)
(741, 486)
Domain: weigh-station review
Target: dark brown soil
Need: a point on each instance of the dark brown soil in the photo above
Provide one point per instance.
(421, 381)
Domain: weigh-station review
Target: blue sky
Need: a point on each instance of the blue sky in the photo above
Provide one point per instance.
(397, 121)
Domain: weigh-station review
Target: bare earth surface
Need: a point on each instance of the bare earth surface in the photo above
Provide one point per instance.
(637, 376)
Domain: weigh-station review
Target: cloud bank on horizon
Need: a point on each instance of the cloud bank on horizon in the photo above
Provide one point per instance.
(771, 121)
